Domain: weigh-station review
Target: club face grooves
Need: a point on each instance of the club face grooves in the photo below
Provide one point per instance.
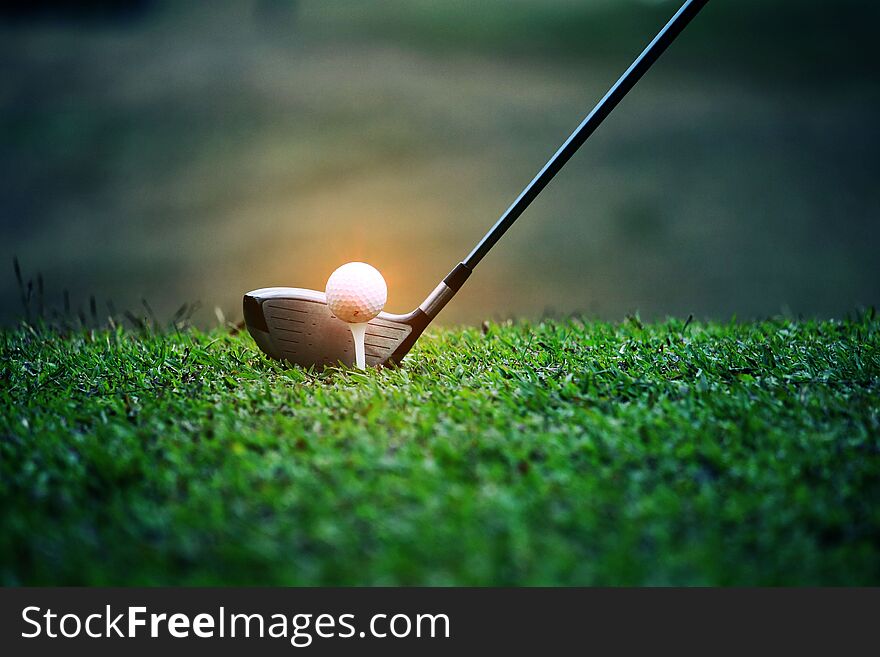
(295, 325)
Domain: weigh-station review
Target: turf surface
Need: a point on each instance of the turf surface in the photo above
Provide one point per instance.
(558, 452)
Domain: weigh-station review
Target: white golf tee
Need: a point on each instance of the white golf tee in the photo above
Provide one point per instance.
(358, 330)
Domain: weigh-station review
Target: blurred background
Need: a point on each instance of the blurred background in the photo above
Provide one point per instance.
(183, 152)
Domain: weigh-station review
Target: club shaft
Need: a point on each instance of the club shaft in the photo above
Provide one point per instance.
(626, 82)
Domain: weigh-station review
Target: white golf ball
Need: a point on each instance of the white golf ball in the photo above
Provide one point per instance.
(356, 292)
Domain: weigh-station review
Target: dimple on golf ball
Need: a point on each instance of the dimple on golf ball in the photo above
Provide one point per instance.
(356, 292)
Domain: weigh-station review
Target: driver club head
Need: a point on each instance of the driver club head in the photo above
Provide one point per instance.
(295, 324)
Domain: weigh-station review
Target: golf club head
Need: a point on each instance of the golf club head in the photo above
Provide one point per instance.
(296, 325)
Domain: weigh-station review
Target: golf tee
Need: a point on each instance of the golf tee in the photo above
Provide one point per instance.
(357, 333)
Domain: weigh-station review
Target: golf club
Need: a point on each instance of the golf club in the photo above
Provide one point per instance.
(296, 325)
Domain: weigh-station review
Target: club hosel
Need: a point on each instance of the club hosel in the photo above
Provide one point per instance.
(445, 290)
(456, 278)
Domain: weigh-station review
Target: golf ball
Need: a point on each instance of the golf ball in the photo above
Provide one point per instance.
(356, 292)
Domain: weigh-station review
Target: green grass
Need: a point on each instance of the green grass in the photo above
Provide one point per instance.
(557, 452)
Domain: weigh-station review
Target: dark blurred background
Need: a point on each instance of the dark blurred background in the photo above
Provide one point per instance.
(192, 151)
